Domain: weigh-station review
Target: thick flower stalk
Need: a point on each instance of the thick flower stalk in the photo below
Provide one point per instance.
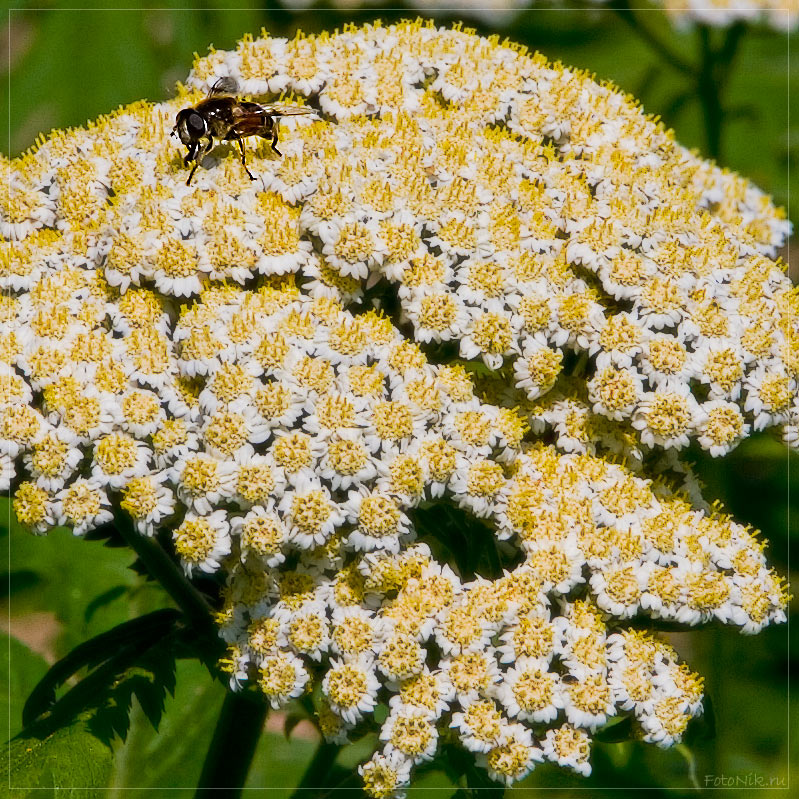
(473, 280)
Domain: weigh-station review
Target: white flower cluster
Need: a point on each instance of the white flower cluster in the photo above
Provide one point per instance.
(782, 15)
(277, 371)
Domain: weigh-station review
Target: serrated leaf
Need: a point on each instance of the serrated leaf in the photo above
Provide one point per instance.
(71, 760)
(172, 758)
(159, 683)
(149, 681)
(120, 645)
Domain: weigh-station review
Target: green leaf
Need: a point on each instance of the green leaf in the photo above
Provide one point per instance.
(453, 761)
(19, 580)
(479, 782)
(120, 645)
(71, 760)
(148, 681)
(173, 757)
(20, 670)
(341, 783)
(138, 698)
(455, 535)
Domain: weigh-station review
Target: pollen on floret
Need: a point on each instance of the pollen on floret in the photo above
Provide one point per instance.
(195, 540)
(140, 497)
(262, 534)
(116, 453)
(293, 451)
(30, 504)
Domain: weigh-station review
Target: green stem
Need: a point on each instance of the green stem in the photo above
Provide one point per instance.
(167, 573)
(315, 776)
(709, 76)
(727, 52)
(709, 98)
(670, 56)
(712, 79)
(232, 747)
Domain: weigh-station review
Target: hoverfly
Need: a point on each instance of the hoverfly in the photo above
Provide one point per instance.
(221, 115)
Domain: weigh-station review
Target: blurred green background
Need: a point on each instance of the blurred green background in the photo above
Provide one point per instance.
(66, 66)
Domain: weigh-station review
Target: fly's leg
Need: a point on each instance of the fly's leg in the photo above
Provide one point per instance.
(244, 160)
(274, 140)
(196, 156)
(189, 157)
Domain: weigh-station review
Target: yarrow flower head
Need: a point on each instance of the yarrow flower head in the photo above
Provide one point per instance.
(473, 280)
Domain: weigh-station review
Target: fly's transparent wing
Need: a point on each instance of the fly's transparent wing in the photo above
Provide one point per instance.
(225, 85)
(282, 110)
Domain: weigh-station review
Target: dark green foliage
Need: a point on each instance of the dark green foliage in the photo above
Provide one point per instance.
(71, 759)
(456, 537)
(704, 727)
(615, 731)
(116, 650)
(172, 758)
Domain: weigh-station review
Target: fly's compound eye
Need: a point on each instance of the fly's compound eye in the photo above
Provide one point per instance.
(195, 124)
(191, 126)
